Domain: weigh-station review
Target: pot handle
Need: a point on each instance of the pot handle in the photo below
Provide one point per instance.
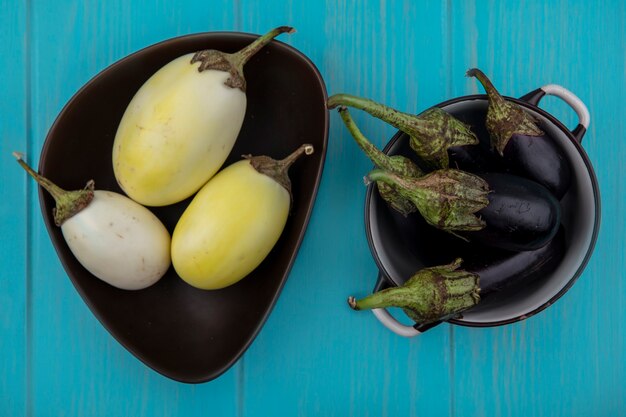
(390, 322)
(567, 96)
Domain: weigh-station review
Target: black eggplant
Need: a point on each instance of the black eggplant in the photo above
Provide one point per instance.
(499, 210)
(501, 272)
(527, 150)
(473, 158)
(397, 164)
(521, 214)
(439, 139)
(443, 292)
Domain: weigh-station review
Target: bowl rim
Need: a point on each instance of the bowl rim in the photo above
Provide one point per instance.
(597, 218)
(261, 322)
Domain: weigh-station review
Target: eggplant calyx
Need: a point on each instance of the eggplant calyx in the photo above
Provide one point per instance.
(68, 203)
(504, 118)
(431, 133)
(279, 170)
(448, 199)
(211, 59)
(430, 295)
(395, 200)
(397, 164)
(441, 131)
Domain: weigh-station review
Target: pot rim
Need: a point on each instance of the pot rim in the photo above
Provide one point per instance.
(596, 226)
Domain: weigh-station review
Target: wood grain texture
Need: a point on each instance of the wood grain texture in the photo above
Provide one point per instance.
(314, 356)
(78, 369)
(568, 360)
(13, 195)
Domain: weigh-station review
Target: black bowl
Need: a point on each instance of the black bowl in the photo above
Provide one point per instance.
(188, 334)
(401, 246)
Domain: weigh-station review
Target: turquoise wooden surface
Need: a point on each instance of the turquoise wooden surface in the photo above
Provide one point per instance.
(314, 356)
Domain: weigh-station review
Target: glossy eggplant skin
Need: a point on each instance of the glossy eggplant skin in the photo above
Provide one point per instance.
(477, 158)
(521, 215)
(474, 158)
(538, 158)
(501, 270)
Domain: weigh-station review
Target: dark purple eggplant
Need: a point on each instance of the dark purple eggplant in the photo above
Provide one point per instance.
(499, 210)
(439, 139)
(527, 150)
(501, 271)
(473, 158)
(521, 214)
(442, 292)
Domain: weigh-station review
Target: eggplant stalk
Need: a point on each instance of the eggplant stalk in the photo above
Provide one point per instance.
(431, 294)
(279, 170)
(397, 164)
(504, 118)
(68, 203)
(211, 59)
(431, 133)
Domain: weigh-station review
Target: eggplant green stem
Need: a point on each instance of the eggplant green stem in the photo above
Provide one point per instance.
(394, 163)
(491, 91)
(285, 163)
(431, 294)
(211, 59)
(242, 57)
(400, 297)
(431, 133)
(68, 203)
(398, 119)
(504, 118)
(386, 177)
(279, 170)
(377, 156)
(54, 190)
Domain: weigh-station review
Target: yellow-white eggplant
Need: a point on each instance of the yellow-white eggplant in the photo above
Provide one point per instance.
(182, 123)
(116, 239)
(234, 221)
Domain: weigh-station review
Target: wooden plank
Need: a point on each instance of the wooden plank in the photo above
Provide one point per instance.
(315, 356)
(14, 208)
(78, 368)
(570, 360)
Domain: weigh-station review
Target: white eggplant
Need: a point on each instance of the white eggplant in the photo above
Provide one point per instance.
(114, 238)
(181, 125)
(234, 221)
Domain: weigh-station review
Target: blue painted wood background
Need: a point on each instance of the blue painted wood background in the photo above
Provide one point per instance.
(314, 356)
